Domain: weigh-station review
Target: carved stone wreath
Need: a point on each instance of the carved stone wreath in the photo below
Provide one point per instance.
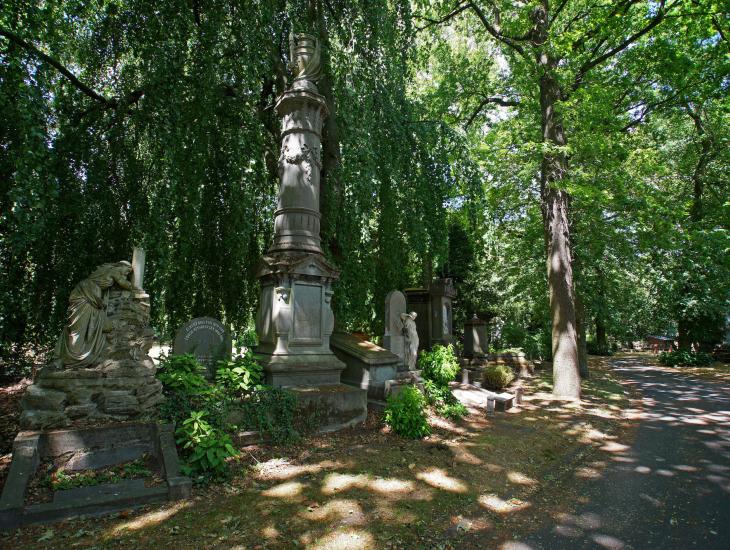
(306, 156)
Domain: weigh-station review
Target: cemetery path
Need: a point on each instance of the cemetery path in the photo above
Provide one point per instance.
(670, 488)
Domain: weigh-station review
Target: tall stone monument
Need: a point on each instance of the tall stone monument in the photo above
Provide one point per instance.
(295, 319)
(434, 309)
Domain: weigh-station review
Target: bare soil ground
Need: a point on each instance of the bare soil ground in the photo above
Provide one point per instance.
(472, 484)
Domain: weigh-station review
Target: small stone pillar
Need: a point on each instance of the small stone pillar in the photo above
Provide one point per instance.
(476, 343)
(393, 339)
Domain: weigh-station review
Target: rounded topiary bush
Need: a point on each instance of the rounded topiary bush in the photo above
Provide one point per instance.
(497, 377)
(406, 413)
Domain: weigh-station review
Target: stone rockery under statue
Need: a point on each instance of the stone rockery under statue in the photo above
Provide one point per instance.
(295, 319)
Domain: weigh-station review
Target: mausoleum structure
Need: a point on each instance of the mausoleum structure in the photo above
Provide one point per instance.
(295, 319)
(433, 307)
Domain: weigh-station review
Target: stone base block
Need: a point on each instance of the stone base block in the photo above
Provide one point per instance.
(90, 448)
(301, 370)
(335, 406)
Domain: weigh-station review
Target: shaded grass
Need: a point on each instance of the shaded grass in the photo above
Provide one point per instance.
(470, 484)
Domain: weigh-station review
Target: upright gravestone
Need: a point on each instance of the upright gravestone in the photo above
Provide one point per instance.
(476, 344)
(207, 339)
(393, 339)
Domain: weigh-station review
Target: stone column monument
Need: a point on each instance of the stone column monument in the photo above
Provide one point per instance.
(295, 319)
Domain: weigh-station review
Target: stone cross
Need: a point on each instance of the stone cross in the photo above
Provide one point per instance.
(138, 267)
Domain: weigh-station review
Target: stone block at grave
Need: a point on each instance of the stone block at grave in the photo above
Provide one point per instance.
(475, 338)
(367, 365)
(393, 339)
(207, 339)
(434, 309)
(295, 320)
(101, 370)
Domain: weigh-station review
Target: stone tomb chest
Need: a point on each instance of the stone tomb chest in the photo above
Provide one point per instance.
(435, 314)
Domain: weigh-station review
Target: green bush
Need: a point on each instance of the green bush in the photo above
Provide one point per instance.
(272, 411)
(684, 358)
(443, 401)
(183, 374)
(406, 413)
(497, 377)
(439, 365)
(240, 375)
(205, 448)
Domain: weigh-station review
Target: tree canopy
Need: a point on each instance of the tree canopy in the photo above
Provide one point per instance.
(469, 139)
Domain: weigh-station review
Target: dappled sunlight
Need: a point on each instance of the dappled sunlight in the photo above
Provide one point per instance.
(281, 468)
(439, 479)
(344, 539)
(288, 490)
(150, 519)
(345, 510)
(495, 504)
(270, 533)
(520, 479)
(388, 487)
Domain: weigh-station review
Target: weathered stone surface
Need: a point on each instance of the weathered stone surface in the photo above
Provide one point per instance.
(44, 399)
(119, 402)
(368, 366)
(434, 309)
(35, 419)
(476, 342)
(393, 339)
(111, 375)
(206, 338)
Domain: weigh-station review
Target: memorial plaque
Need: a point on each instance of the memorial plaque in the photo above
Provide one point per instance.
(207, 339)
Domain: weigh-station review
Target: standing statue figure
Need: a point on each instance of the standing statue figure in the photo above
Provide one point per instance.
(411, 334)
(83, 339)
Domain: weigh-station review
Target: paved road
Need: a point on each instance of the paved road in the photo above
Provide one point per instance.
(669, 489)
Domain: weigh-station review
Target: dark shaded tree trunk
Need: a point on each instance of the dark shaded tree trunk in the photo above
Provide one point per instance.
(555, 210)
(601, 340)
(582, 345)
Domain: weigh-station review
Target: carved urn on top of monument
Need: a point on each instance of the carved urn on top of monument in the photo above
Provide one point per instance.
(295, 319)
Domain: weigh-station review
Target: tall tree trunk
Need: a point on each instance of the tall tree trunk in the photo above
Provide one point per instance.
(555, 205)
(582, 345)
(601, 342)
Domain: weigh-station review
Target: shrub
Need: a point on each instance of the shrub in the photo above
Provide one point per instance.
(406, 413)
(241, 375)
(183, 374)
(272, 412)
(497, 377)
(684, 358)
(439, 365)
(443, 401)
(205, 447)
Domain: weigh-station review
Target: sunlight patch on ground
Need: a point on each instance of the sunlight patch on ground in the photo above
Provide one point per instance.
(151, 519)
(349, 539)
(438, 478)
(495, 504)
(343, 509)
(520, 479)
(281, 468)
(270, 532)
(289, 489)
(390, 486)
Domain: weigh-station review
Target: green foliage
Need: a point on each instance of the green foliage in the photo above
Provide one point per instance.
(406, 413)
(497, 377)
(205, 448)
(439, 365)
(685, 358)
(60, 480)
(241, 375)
(272, 411)
(443, 401)
(183, 374)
